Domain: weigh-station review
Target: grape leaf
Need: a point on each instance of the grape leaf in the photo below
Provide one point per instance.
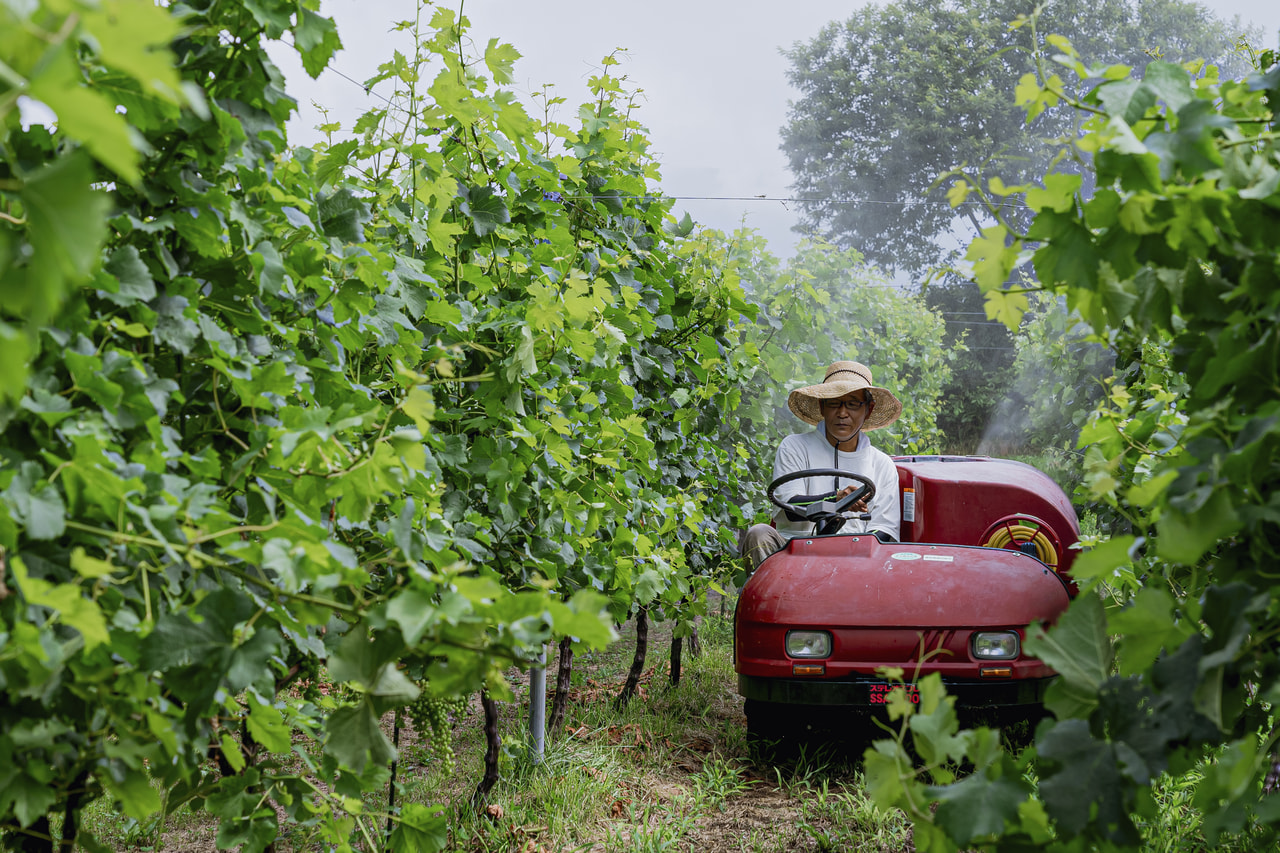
(977, 806)
(267, 725)
(421, 829)
(36, 506)
(1184, 537)
(1084, 778)
(134, 282)
(354, 737)
(486, 209)
(316, 40)
(1077, 647)
(66, 226)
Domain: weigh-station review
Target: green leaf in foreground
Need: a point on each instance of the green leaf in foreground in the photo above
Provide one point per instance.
(1147, 626)
(1184, 537)
(73, 610)
(1077, 648)
(1084, 778)
(976, 806)
(354, 737)
(1103, 559)
(421, 829)
(135, 794)
(66, 224)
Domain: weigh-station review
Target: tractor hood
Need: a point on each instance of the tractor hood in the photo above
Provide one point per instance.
(859, 581)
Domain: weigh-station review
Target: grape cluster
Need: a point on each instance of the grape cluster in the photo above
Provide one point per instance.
(430, 715)
(302, 674)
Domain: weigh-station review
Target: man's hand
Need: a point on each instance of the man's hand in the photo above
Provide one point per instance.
(858, 506)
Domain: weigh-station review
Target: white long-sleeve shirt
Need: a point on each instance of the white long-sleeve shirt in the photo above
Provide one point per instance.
(812, 450)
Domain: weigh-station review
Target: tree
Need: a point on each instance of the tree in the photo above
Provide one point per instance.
(901, 94)
(982, 372)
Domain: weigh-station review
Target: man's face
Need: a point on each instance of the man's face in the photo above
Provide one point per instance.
(843, 416)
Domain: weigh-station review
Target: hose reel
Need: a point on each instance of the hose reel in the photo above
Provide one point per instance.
(1027, 534)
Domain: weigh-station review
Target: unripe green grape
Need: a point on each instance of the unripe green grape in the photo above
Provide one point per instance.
(430, 716)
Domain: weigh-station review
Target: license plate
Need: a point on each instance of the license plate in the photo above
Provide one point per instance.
(879, 692)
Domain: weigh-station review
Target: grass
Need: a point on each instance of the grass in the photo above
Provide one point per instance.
(116, 831)
(1179, 825)
(672, 771)
(849, 820)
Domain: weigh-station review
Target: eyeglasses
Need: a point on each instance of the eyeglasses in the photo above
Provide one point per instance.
(849, 405)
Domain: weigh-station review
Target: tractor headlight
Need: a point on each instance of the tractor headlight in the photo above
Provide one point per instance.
(808, 644)
(996, 645)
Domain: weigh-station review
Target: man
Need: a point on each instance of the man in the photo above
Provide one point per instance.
(844, 407)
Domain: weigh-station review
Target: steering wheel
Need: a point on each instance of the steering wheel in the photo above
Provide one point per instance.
(828, 516)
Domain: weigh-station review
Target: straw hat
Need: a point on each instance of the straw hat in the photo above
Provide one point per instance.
(842, 378)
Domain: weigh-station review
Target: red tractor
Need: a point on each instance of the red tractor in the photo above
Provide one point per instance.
(985, 552)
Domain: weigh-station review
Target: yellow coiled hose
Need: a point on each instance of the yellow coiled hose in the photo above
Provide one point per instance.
(1012, 534)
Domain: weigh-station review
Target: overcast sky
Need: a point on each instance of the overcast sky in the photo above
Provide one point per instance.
(715, 90)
